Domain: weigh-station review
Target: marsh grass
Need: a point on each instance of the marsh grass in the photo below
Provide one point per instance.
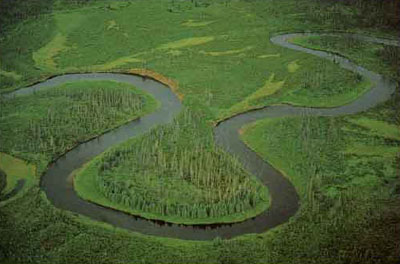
(384, 59)
(49, 122)
(345, 173)
(32, 230)
(176, 173)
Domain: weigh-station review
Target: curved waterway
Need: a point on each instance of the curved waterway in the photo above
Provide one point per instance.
(284, 199)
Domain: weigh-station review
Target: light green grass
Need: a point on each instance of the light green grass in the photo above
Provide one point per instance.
(265, 56)
(380, 151)
(44, 57)
(16, 169)
(251, 102)
(293, 66)
(11, 75)
(188, 42)
(378, 128)
(192, 23)
(8, 74)
(227, 52)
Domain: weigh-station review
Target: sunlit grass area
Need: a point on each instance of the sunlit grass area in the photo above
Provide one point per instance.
(15, 170)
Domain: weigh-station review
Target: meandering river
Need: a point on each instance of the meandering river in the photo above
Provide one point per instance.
(284, 199)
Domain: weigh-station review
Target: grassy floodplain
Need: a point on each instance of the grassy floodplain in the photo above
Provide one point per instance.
(219, 54)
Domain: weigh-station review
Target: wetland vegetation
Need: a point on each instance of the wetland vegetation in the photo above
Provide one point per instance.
(46, 124)
(345, 169)
(174, 173)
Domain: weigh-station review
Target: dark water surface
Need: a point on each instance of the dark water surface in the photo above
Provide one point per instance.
(284, 199)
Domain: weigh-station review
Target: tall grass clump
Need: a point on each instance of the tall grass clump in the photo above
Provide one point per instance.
(175, 171)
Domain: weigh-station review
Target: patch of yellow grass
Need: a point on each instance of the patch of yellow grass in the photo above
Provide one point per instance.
(173, 85)
(188, 42)
(112, 25)
(269, 88)
(117, 5)
(293, 66)
(115, 63)
(12, 75)
(44, 57)
(269, 56)
(379, 128)
(192, 23)
(174, 52)
(9, 74)
(16, 169)
(227, 52)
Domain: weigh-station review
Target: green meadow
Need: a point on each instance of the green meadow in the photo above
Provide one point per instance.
(344, 169)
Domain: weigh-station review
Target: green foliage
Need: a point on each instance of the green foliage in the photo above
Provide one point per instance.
(175, 172)
(315, 84)
(47, 123)
(350, 230)
(344, 193)
(40, 233)
(381, 58)
(382, 14)
(16, 54)
(15, 11)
